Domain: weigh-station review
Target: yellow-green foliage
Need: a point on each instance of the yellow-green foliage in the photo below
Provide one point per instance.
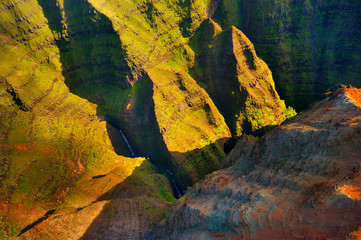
(186, 115)
(240, 83)
(263, 106)
(189, 122)
(290, 112)
(49, 136)
(151, 30)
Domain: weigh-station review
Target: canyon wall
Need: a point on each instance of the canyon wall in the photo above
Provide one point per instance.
(75, 73)
(301, 180)
(309, 45)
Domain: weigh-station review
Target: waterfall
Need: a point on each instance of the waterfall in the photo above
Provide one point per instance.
(127, 143)
(177, 193)
(176, 189)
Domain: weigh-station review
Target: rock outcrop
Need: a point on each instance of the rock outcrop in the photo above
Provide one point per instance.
(72, 74)
(308, 45)
(301, 180)
(126, 210)
(239, 82)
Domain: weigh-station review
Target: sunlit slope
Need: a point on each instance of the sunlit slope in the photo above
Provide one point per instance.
(192, 128)
(239, 82)
(126, 210)
(300, 180)
(49, 137)
(134, 38)
(75, 72)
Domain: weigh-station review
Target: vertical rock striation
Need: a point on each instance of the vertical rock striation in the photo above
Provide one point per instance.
(301, 180)
(308, 45)
(240, 83)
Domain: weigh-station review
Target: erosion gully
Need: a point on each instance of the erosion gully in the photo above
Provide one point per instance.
(177, 193)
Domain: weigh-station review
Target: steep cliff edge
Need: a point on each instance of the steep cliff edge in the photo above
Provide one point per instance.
(50, 138)
(239, 82)
(308, 45)
(126, 210)
(74, 73)
(301, 180)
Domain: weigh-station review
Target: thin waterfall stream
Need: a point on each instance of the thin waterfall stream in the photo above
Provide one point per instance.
(127, 143)
(176, 190)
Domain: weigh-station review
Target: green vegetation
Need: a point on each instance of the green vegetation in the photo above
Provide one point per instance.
(240, 83)
(158, 70)
(146, 181)
(290, 112)
(188, 120)
(309, 45)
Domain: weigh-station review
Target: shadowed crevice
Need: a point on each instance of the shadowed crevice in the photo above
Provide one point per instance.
(46, 216)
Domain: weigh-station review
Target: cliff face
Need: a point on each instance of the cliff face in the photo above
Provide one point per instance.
(49, 136)
(301, 180)
(309, 45)
(75, 72)
(126, 210)
(240, 83)
(117, 55)
(110, 53)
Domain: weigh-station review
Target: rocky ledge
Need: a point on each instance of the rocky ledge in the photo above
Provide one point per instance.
(299, 181)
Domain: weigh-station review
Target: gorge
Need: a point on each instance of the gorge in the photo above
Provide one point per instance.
(174, 119)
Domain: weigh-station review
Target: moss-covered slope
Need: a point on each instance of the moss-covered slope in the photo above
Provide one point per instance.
(54, 142)
(110, 52)
(240, 83)
(309, 45)
(73, 73)
(192, 127)
(49, 136)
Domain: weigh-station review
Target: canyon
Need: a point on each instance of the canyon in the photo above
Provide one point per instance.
(301, 180)
(112, 110)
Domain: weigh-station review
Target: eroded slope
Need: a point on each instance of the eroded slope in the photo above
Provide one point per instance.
(301, 180)
(308, 45)
(239, 82)
(73, 73)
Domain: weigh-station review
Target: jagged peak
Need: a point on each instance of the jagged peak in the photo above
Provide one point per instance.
(215, 27)
(206, 33)
(241, 42)
(351, 92)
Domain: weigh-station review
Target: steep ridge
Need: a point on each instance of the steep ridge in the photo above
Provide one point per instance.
(308, 45)
(301, 180)
(192, 128)
(74, 73)
(239, 82)
(50, 137)
(125, 211)
(109, 52)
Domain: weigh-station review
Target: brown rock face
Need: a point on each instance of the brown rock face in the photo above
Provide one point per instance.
(300, 181)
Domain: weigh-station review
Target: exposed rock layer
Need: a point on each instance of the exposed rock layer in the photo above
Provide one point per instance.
(66, 66)
(301, 180)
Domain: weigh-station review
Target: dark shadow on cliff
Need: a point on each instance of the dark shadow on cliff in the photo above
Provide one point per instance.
(215, 70)
(95, 68)
(194, 165)
(133, 206)
(143, 199)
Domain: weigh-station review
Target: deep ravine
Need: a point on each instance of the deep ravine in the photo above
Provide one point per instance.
(177, 193)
